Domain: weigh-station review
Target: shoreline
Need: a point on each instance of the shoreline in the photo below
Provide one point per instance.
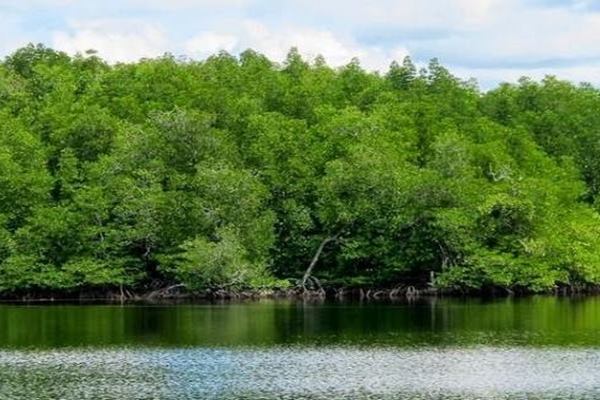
(327, 293)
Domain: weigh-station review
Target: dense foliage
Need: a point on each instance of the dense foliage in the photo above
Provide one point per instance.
(231, 172)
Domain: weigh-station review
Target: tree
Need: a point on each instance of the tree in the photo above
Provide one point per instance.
(237, 172)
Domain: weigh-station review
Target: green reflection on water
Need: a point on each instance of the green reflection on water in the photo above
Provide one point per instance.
(534, 321)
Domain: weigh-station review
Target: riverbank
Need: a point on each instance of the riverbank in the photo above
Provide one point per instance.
(180, 293)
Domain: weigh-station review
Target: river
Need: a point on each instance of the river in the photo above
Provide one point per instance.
(523, 348)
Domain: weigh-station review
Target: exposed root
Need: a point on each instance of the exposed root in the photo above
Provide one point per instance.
(163, 291)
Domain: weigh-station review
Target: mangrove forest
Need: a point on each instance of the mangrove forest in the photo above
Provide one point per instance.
(240, 173)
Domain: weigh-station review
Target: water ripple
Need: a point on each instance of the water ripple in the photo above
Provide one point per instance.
(297, 372)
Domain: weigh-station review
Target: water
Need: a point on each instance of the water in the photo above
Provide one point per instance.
(535, 348)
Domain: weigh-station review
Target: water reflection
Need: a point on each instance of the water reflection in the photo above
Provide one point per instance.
(538, 321)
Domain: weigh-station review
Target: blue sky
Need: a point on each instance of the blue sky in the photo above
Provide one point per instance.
(490, 40)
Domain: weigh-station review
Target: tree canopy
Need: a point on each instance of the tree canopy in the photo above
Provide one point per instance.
(232, 171)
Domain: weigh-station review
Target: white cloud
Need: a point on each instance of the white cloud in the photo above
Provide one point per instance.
(519, 34)
(310, 42)
(28, 4)
(488, 39)
(208, 43)
(276, 43)
(187, 4)
(404, 14)
(472, 32)
(114, 39)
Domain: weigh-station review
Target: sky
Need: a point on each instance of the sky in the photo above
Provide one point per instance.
(490, 40)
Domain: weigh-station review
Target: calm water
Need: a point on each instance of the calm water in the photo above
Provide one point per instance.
(535, 348)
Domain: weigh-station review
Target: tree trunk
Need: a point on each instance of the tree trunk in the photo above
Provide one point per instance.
(310, 268)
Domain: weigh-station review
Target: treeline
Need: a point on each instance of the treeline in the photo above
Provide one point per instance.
(234, 172)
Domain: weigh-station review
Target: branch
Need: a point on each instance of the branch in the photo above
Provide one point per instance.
(308, 272)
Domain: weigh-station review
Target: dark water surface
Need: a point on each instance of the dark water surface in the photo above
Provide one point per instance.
(532, 348)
